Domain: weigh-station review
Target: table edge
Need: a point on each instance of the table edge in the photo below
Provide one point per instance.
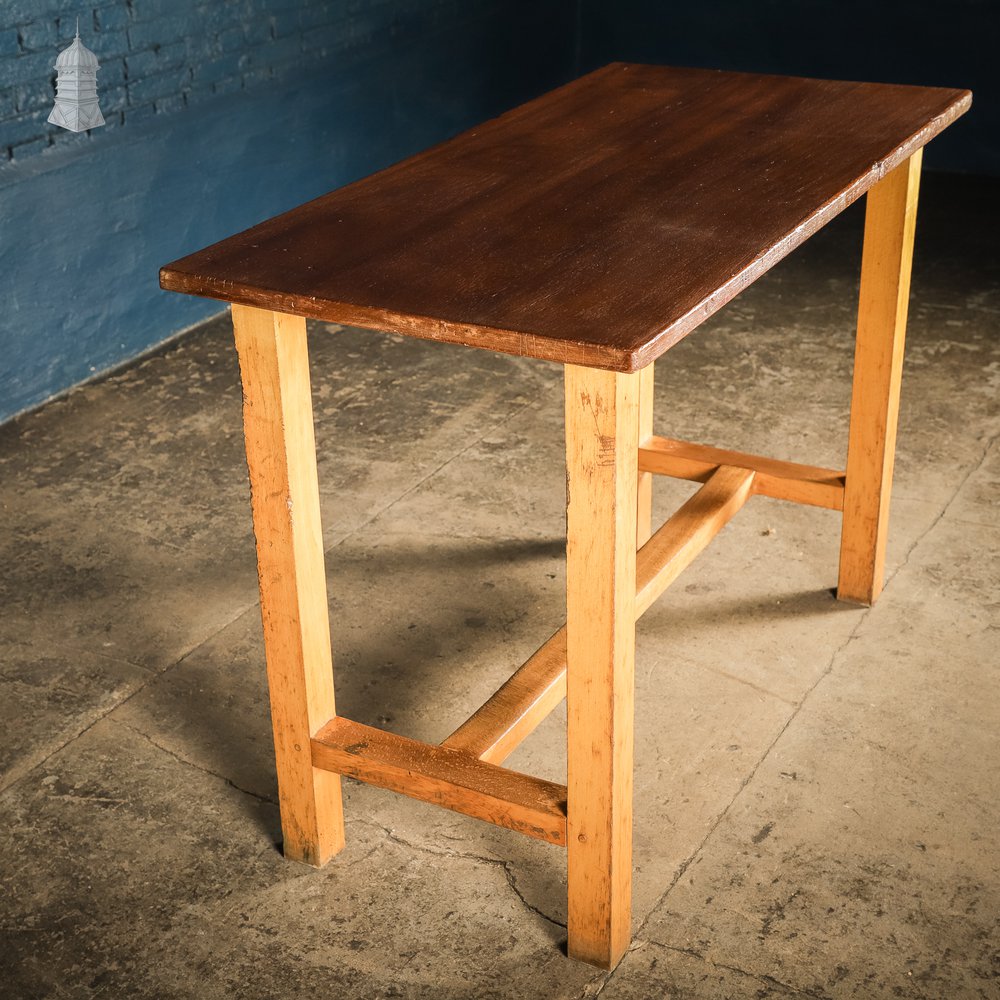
(534, 345)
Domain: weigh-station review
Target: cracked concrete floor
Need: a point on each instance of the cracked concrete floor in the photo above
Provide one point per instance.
(816, 784)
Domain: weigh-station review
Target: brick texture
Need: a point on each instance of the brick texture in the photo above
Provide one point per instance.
(160, 56)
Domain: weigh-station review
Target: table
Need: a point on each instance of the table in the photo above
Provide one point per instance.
(595, 226)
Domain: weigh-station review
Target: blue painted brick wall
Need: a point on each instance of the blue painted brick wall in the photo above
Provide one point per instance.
(160, 56)
(220, 113)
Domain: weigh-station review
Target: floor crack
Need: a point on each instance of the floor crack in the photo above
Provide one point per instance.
(62, 746)
(509, 875)
(764, 980)
(947, 506)
(190, 763)
(505, 866)
(391, 835)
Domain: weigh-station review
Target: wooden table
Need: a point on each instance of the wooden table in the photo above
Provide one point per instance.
(596, 227)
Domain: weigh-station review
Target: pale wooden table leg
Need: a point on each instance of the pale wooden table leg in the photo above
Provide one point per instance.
(644, 523)
(281, 457)
(602, 428)
(890, 217)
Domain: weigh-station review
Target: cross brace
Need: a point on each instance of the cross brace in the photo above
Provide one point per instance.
(464, 772)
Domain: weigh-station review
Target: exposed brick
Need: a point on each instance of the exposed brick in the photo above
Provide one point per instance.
(33, 66)
(112, 99)
(139, 114)
(24, 150)
(8, 103)
(258, 30)
(148, 10)
(218, 69)
(8, 42)
(40, 35)
(66, 29)
(112, 18)
(285, 22)
(197, 92)
(113, 119)
(162, 31)
(25, 11)
(23, 128)
(66, 138)
(228, 85)
(165, 105)
(201, 47)
(231, 40)
(150, 88)
(33, 97)
(216, 17)
(111, 73)
(158, 60)
(108, 43)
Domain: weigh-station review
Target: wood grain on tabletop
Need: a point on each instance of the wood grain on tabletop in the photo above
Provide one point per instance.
(595, 225)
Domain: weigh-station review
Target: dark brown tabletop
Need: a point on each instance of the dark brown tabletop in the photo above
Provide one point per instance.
(596, 225)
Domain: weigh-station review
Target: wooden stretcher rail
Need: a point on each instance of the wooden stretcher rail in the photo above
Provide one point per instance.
(676, 544)
(534, 690)
(516, 708)
(783, 480)
(444, 776)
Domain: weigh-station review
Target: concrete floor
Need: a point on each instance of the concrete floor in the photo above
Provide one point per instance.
(816, 786)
